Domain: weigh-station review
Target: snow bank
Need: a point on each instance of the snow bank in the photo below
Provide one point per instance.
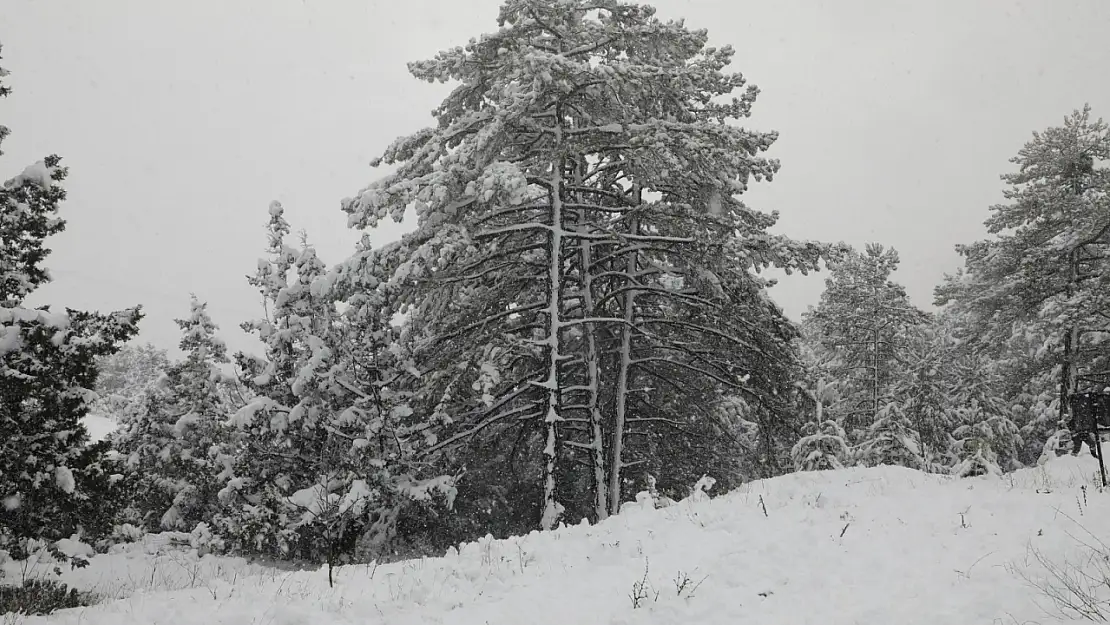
(156, 564)
(876, 546)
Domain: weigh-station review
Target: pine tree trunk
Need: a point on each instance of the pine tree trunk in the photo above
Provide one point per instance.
(594, 412)
(552, 510)
(597, 441)
(597, 437)
(1069, 367)
(623, 381)
(1067, 373)
(875, 379)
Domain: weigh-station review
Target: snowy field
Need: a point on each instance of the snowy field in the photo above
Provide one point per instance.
(878, 546)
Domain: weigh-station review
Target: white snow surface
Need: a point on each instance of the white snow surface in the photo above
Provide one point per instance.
(63, 477)
(38, 173)
(854, 546)
(99, 426)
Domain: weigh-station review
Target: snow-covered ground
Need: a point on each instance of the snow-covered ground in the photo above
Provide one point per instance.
(854, 547)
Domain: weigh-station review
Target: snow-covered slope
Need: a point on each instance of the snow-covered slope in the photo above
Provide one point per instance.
(860, 546)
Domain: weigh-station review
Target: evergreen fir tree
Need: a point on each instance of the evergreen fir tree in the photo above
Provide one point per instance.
(824, 446)
(324, 466)
(926, 388)
(864, 324)
(985, 444)
(177, 446)
(891, 439)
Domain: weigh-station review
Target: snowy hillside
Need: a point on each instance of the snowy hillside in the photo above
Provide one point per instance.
(857, 546)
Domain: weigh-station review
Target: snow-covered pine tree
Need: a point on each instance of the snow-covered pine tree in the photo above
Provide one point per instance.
(890, 439)
(823, 443)
(984, 437)
(820, 400)
(325, 462)
(585, 158)
(282, 466)
(986, 443)
(1020, 367)
(1041, 279)
(52, 483)
(926, 387)
(702, 327)
(178, 444)
(865, 322)
(823, 446)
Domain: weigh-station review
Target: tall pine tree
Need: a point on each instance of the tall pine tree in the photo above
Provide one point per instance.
(864, 324)
(579, 238)
(1040, 281)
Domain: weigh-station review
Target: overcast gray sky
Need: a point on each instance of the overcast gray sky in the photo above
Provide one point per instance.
(181, 120)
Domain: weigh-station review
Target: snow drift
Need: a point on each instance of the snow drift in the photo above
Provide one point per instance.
(880, 545)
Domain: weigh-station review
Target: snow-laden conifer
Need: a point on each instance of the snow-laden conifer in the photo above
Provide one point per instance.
(579, 238)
